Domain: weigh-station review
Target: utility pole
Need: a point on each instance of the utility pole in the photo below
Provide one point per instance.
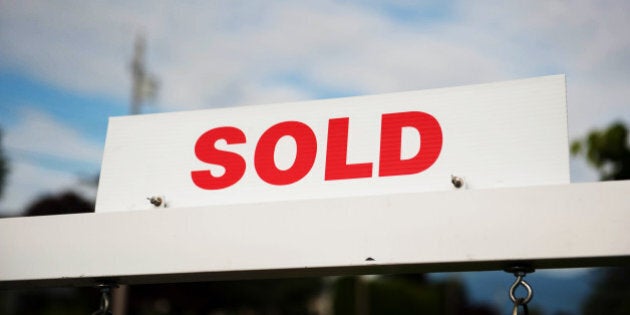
(143, 87)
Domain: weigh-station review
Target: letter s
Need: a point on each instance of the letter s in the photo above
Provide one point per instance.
(206, 151)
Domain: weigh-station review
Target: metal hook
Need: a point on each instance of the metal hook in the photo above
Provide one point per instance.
(520, 271)
(105, 289)
(530, 291)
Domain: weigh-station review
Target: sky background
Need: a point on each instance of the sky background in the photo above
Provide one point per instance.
(65, 65)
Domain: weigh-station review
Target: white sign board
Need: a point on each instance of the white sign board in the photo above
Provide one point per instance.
(502, 134)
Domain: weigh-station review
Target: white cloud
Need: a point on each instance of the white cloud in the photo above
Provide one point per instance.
(41, 135)
(585, 39)
(35, 145)
(77, 46)
(332, 45)
(213, 54)
(27, 182)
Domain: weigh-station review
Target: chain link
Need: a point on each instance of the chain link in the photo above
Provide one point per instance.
(105, 299)
(517, 304)
(520, 282)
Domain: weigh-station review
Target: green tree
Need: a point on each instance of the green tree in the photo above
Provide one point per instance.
(63, 203)
(608, 151)
(611, 293)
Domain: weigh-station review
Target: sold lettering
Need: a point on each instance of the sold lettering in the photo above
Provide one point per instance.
(336, 167)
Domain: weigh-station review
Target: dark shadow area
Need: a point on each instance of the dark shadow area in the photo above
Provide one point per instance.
(65, 203)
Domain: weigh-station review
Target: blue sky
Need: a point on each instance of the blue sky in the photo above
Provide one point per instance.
(64, 66)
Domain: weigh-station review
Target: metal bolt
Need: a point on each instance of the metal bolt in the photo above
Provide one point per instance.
(156, 200)
(520, 269)
(458, 182)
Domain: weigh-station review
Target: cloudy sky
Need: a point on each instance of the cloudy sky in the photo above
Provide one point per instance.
(64, 65)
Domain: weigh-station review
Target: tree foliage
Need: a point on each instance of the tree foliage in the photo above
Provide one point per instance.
(64, 203)
(611, 293)
(403, 294)
(607, 150)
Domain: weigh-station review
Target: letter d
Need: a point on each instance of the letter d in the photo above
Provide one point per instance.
(391, 163)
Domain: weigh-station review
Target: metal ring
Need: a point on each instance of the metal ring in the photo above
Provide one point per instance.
(524, 300)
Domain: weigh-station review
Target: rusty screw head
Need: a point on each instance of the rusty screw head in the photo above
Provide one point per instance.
(156, 200)
(458, 182)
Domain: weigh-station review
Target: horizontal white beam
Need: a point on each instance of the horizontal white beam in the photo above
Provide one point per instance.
(558, 226)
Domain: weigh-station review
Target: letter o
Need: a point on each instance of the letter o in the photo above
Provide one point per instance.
(306, 143)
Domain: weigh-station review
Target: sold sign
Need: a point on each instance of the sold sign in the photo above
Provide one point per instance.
(502, 134)
(336, 168)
